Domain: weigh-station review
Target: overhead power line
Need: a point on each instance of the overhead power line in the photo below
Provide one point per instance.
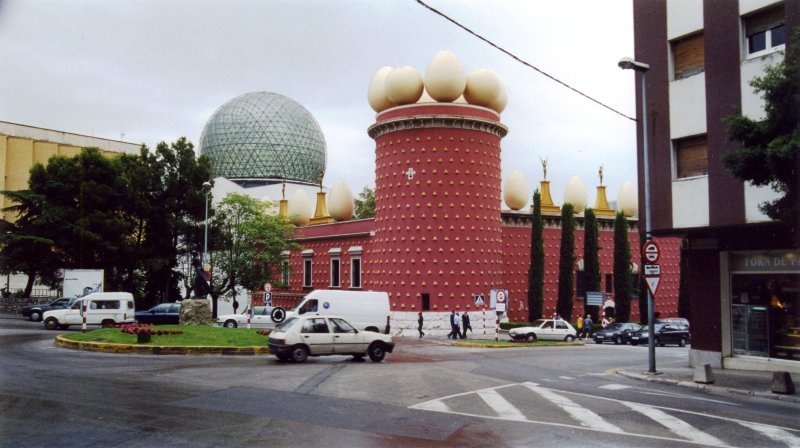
(521, 61)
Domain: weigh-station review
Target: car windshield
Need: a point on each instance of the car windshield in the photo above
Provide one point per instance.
(287, 324)
(537, 323)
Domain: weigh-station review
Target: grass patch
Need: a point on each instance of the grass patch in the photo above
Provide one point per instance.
(192, 336)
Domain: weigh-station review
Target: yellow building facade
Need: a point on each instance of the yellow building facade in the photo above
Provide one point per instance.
(23, 146)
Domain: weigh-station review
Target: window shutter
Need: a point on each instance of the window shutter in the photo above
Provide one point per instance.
(689, 56)
(691, 157)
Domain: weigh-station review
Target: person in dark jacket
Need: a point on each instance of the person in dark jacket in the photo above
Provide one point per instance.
(419, 321)
(465, 324)
(454, 330)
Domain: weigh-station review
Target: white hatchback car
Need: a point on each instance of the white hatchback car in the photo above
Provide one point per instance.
(546, 330)
(299, 337)
(261, 318)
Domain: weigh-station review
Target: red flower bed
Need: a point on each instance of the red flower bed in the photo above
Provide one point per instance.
(146, 329)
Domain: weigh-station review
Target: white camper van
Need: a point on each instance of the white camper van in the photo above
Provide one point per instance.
(365, 310)
(102, 308)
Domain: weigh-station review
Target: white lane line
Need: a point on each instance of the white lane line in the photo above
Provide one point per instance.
(501, 406)
(584, 416)
(434, 405)
(776, 434)
(614, 387)
(676, 425)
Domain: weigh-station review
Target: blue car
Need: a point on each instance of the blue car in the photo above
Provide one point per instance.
(163, 313)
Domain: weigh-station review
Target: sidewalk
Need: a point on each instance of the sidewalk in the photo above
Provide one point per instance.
(726, 381)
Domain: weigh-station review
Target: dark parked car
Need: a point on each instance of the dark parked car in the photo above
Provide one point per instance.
(674, 320)
(35, 312)
(618, 333)
(163, 313)
(664, 334)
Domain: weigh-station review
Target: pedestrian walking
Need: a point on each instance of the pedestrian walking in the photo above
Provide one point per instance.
(453, 328)
(604, 323)
(457, 326)
(579, 325)
(419, 321)
(587, 327)
(465, 324)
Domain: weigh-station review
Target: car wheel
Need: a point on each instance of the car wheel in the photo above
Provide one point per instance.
(618, 340)
(36, 315)
(569, 338)
(107, 323)
(283, 357)
(682, 342)
(230, 323)
(376, 352)
(299, 354)
(658, 343)
(51, 323)
(531, 337)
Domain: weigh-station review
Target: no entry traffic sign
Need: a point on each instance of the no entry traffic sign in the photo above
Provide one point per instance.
(650, 251)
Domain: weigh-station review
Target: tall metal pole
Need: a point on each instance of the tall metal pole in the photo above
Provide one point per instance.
(205, 238)
(648, 228)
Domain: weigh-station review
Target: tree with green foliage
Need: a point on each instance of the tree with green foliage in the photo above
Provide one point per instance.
(247, 253)
(365, 204)
(536, 270)
(566, 263)
(130, 215)
(770, 148)
(591, 256)
(684, 309)
(622, 270)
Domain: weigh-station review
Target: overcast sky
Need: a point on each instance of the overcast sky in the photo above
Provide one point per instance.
(155, 70)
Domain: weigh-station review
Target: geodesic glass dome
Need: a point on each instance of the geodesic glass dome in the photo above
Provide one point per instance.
(263, 135)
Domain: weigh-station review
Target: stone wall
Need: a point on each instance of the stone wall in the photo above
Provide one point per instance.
(435, 323)
(13, 305)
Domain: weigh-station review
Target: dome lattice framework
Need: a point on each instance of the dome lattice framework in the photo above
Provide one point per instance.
(264, 135)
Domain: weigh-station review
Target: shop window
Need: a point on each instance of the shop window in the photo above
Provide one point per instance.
(765, 320)
(765, 31)
(691, 157)
(688, 56)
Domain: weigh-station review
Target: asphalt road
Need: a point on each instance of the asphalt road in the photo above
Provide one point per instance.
(427, 393)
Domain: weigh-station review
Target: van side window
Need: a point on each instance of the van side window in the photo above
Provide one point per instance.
(105, 304)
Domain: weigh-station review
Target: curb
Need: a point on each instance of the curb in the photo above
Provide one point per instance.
(478, 344)
(708, 387)
(159, 349)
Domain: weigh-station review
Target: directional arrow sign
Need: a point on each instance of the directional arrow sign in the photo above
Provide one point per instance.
(652, 284)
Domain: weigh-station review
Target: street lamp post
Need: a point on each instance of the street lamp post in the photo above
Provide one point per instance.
(641, 67)
(207, 188)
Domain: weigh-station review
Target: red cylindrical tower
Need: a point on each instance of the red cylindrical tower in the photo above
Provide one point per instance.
(438, 195)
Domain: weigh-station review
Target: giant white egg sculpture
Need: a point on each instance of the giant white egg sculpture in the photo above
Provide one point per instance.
(340, 201)
(404, 85)
(299, 210)
(627, 201)
(515, 191)
(376, 93)
(483, 87)
(575, 194)
(500, 103)
(444, 78)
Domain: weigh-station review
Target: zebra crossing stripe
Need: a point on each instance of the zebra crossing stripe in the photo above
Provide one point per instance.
(584, 416)
(501, 406)
(776, 434)
(676, 425)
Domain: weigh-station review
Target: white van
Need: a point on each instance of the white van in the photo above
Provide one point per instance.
(102, 308)
(365, 310)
